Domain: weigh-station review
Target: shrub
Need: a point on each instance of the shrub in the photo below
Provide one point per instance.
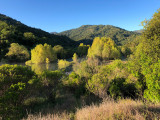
(98, 84)
(50, 81)
(75, 84)
(51, 78)
(16, 84)
(63, 64)
(87, 68)
(113, 79)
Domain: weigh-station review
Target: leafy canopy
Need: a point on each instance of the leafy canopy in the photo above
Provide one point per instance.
(42, 53)
(18, 52)
(147, 56)
(104, 49)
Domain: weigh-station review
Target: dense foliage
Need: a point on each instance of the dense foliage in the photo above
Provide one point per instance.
(82, 50)
(60, 51)
(17, 53)
(43, 54)
(147, 57)
(89, 32)
(16, 84)
(104, 49)
(63, 64)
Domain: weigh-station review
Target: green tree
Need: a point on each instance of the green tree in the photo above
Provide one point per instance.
(42, 52)
(147, 56)
(17, 53)
(29, 38)
(125, 51)
(59, 50)
(82, 49)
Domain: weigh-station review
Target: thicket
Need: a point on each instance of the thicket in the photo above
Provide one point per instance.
(16, 84)
(21, 89)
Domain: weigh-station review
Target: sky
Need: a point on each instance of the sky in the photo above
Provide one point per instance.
(61, 15)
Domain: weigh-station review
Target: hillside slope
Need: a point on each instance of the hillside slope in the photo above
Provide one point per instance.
(87, 33)
(13, 31)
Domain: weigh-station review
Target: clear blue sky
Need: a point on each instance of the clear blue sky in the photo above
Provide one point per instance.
(60, 15)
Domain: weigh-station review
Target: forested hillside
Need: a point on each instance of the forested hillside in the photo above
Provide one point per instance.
(87, 33)
(13, 31)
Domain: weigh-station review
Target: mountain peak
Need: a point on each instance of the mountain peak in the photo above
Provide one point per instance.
(89, 32)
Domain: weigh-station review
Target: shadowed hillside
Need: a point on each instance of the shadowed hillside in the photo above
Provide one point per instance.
(13, 31)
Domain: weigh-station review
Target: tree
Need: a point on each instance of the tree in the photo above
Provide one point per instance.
(59, 50)
(104, 49)
(147, 56)
(42, 52)
(17, 53)
(29, 38)
(125, 51)
(62, 64)
(82, 49)
(75, 58)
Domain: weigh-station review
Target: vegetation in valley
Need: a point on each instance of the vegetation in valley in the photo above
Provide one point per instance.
(103, 81)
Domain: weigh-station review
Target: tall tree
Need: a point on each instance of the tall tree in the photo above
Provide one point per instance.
(148, 57)
(104, 49)
(41, 53)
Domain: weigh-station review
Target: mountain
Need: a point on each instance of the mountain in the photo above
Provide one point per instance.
(13, 31)
(87, 33)
(139, 31)
(54, 33)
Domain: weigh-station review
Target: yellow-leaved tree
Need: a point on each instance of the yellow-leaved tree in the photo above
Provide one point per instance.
(41, 53)
(104, 49)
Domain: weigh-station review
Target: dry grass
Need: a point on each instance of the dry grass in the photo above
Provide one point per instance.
(109, 110)
(63, 116)
(122, 110)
